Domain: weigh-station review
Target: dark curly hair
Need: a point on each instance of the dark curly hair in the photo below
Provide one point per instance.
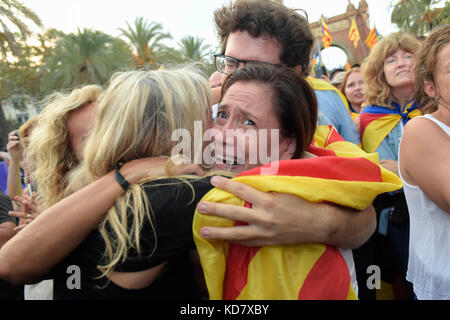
(259, 17)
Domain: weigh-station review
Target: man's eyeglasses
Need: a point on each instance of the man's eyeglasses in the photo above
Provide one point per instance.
(226, 64)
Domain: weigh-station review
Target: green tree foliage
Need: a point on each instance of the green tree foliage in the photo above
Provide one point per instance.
(193, 49)
(146, 39)
(418, 17)
(167, 56)
(22, 76)
(11, 14)
(88, 57)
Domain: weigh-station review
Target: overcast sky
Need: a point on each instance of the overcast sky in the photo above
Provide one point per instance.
(179, 17)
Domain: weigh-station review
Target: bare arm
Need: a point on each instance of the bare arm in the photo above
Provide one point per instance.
(424, 160)
(6, 232)
(58, 231)
(286, 219)
(14, 185)
(391, 165)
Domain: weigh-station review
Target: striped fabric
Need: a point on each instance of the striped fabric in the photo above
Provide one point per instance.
(372, 38)
(326, 36)
(353, 33)
(376, 122)
(306, 271)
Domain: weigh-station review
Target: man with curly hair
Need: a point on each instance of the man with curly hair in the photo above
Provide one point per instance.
(267, 31)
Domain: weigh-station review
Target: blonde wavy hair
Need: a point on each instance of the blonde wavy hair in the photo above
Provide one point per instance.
(376, 89)
(136, 116)
(50, 148)
(426, 60)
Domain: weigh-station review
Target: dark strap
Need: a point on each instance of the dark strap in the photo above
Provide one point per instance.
(119, 178)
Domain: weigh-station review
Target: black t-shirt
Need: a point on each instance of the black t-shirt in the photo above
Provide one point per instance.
(173, 205)
(5, 207)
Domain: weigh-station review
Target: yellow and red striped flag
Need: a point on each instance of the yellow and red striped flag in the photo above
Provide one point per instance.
(372, 38)
(353, 34)
(326, 36)
(342, 174)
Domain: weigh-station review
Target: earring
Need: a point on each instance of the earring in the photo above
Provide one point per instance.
(436, 98)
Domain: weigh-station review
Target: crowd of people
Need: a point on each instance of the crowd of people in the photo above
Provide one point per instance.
(312, 182)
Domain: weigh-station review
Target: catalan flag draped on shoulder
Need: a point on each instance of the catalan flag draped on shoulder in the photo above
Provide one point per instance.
(342, 174)
(372, 38)
(326, 36)
(353, 34)
(376, 122)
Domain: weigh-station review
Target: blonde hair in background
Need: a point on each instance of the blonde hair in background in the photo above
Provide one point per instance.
(376, 90)
(426, 60)
(50, 148)
(136, 116)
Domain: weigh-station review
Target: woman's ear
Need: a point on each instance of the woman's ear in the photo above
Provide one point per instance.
(288, 147)
(298, 68)
(429, 89)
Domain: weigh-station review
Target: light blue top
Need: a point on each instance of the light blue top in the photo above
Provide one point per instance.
(388, 148)
(330, 103)
(3, 177)
(322, 119)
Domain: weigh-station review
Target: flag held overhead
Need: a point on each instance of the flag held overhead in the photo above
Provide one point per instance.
(353, 34)
(372, 38)
(326, 36)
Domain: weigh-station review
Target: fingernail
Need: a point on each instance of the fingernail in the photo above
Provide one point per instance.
(216, 180)
(202, 207)
(205, 233)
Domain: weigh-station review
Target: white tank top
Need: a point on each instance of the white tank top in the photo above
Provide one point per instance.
(429, 242)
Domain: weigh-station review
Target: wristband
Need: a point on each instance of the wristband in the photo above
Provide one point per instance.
(119, 178)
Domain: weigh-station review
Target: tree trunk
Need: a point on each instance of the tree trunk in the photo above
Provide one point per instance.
(4, 128)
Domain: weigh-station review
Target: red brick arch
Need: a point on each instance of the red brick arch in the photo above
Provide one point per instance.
(339, 27)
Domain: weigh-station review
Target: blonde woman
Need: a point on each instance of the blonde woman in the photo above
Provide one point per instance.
(140, 248)
(425, 171)
(57, 141)
(55, 148)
